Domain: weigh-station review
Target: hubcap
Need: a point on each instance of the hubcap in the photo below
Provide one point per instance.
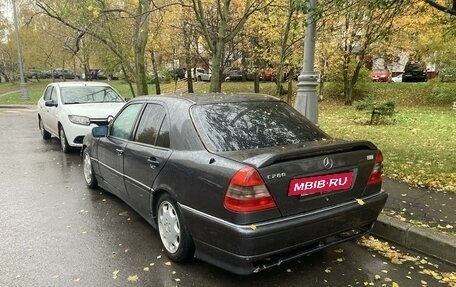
(87, 168)
(168, 226)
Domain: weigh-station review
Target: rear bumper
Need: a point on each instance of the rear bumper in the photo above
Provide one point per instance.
(245, 249)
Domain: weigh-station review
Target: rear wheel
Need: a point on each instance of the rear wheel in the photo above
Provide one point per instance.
(173, 232)
(63, 141)
(89, 175)
(44, 133)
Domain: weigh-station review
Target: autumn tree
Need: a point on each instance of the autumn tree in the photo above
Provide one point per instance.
(220, 21)
(121, 27)
(357, 26)
(450, 8)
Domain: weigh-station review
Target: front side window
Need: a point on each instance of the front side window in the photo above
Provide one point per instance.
(124, 123)
(252, 125)
(47, 93)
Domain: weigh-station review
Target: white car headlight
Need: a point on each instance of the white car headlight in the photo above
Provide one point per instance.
(79, 120)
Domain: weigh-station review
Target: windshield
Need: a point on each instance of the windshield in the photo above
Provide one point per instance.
(251, 125)
(89, 94)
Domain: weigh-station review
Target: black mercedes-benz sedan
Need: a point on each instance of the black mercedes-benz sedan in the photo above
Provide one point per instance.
(244, 181)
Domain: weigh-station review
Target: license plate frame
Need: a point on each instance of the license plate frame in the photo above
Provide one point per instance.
(328, 183)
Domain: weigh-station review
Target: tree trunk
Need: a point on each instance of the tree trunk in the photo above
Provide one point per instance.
(141, 29)
(155, 71)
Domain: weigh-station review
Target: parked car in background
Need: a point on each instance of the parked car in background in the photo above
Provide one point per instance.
(234, 75)
(35, 74)
(414, 72)
(381, 75)
(397, 79)
(242, 181)
(65, 74)
(206, 76)
(69, 110)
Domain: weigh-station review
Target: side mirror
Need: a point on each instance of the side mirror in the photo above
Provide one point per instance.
(110, 119)
(100, 132)
(50, 103)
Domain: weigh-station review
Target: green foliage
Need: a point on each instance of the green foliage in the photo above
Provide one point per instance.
(380, 112)
(424, 164)
(442, 94)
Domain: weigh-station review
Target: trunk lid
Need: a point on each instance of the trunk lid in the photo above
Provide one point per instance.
(302, 178)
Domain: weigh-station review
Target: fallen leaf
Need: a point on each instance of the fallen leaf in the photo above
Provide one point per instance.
(132, 278)
(159, 256)
(253, 227)
(114, 274)
(177, 280)
(146, 269)
(377, 277)
(125, 213)
(340, 250)
(328, 270)
(168, 263)
(55, 277)
(340, 260)
(360, 201)
(76, 279)
(395, 284)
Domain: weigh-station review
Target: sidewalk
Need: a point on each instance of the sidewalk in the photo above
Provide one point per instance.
(419, 219)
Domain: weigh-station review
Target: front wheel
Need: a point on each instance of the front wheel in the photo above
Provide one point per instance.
(89, 175)
(173, 232)
(63, 141)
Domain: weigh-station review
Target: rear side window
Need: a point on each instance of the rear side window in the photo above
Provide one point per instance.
(251, 125)
(153, 128)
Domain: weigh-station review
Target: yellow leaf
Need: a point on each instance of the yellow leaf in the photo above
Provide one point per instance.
(395, 284)
(146, 269)
(253, 227)
(114, 274)
(132, 278)
(168, 263)
(360, 201)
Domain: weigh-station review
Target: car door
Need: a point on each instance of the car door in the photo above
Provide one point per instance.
(145, 156)
(50, 120)
(111, 149)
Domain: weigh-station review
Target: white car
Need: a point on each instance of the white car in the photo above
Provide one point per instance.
(397, 79)
(206, 76)
(69, 110)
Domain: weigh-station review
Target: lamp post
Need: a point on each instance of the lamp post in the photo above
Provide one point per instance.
(24, 92)
(306, 98)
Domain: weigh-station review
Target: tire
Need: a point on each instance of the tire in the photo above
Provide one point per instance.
(89, 174)
(63, 141)
(44, 133)
(177, 242)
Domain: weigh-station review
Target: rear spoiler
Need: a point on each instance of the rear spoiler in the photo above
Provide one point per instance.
(268, 156)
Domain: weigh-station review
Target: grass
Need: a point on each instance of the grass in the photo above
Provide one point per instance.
(418, 146)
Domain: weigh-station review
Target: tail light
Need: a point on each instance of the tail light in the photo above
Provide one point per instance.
(377, 171)
(247, 192)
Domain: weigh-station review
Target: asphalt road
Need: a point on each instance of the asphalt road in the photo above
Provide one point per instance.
(56, 232)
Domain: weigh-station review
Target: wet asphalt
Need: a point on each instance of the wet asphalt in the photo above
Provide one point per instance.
(54, 231)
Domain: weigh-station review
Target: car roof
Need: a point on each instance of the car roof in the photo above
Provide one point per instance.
(209, 98)
(78, 84)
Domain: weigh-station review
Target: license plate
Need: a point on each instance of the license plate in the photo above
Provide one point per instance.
(320, 184)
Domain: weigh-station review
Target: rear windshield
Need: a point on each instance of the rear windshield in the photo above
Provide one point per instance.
(252, 125)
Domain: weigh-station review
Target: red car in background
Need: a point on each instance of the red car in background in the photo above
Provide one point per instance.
(381, 75)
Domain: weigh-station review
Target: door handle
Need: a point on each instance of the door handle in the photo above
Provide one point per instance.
(119, 151)
(153, 162)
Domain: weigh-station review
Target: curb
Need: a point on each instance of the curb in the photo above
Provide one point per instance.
(424, 240)
(17, 107)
